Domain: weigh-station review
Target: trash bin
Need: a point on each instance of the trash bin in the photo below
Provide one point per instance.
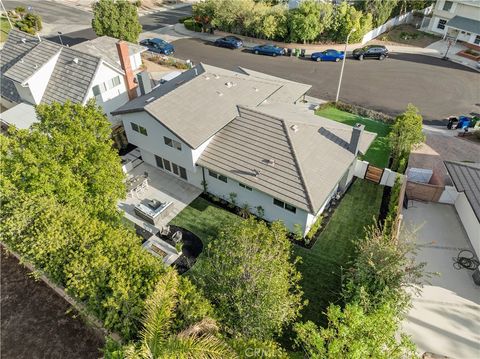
(302, 53)
(289, 52)
(297, 52)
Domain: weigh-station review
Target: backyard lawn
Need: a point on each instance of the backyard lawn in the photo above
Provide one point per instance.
(4, 29)
(321, 265)
(379, 152)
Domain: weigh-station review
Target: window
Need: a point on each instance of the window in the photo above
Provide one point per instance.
(172, 143)
(183, 172)
(284, 205)
(159, 161)
(477, 40)
(96, 90)
(138, 128)
(166, 165)
(447, 6)
(218, 176)
(245, 186)
(441, 24)
(175, 168)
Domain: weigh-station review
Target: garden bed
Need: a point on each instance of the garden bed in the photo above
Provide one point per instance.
(406, 35)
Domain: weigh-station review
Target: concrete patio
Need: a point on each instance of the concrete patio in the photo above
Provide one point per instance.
(445, 317)
(440, 48)
(163, 187)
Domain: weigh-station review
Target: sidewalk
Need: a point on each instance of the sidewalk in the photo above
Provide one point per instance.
(251, 42)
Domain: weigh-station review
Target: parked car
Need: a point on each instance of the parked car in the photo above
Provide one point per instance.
(328, 55)
(158, 45)
(268, 49)
(371, 51)
(231, 42)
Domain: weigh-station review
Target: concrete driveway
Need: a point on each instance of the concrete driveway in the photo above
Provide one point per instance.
(445, 318)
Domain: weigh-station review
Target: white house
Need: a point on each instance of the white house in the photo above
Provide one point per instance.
(241, 132)
(466, 178)
(457, 19)
(41, 72)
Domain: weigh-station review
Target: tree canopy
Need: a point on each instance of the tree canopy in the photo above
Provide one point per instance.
(116, 18)
(251, 279)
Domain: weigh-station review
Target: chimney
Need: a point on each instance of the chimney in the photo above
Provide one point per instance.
(124, 56)
(356, 137)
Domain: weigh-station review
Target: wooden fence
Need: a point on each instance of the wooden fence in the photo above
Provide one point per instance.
(424, 191)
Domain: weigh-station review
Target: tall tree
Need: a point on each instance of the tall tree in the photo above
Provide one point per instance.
(309, 20)
(351, 333)
(381, 10)
(406, 134)
(116, 18)
(346, 18)
(251, 279)
(68, 155)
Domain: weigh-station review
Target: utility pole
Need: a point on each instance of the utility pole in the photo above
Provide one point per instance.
(343, 64)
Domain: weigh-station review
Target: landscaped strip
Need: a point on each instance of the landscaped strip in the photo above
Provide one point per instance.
(322, 265)
(379, 152)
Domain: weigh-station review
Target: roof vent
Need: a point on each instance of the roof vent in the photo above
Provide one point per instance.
(271, 162)
(150, 99)
(24, 40)
(196, 71)
(219, 93)
(294, 128)
(207, 77)
(256, 89)
(256, 172)
(75, 60)
(216, 76)
(35, 66)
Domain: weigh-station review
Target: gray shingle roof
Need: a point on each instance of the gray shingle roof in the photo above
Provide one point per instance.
(464, 23)
(106, 48)
(215, 92)
(309, 159)
(70, 80)
(13, 50)
(466, 177)
(32, 61)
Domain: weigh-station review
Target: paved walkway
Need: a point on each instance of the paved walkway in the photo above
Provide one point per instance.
(441, 47)
(445, 317)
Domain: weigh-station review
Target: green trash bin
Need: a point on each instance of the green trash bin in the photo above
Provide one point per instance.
(297, 52)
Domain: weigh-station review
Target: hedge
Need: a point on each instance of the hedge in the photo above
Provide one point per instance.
(192, 25)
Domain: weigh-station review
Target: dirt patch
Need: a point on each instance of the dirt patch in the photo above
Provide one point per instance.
(405, 35)
(36, 322)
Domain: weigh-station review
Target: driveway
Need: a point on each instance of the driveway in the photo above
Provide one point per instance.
(438, 88)
(445, 318)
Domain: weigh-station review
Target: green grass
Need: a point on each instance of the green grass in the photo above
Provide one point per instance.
(321, 265)
(379, 152)
(4, 29)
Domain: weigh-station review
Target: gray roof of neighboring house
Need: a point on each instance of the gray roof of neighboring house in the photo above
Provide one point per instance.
(310, 158)
(215, 93)
(106, 48)
(13, 50)
(38, 56)
(464, 23)
(21, 116)
(466, 177)
(71, 80)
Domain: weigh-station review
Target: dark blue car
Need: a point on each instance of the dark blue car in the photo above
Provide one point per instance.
(231, 42)
(268, 49)
(328, 55)
(158, 45)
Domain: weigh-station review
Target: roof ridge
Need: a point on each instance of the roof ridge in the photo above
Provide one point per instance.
(292, 148)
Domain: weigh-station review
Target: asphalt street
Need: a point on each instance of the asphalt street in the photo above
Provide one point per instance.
(438, 88)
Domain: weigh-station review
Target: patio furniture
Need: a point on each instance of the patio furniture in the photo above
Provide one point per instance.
(137, 185)
(153, 211)
(177, 237)
(165, 231)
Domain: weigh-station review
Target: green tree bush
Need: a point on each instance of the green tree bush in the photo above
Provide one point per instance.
(345, 19)
(116, 18)
(406, 134)
(310, 20)
(251, 279)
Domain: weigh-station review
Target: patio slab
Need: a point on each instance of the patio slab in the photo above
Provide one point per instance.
(162, 187)
(445, 317)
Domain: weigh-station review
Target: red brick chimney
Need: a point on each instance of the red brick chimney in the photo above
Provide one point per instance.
(124, 56)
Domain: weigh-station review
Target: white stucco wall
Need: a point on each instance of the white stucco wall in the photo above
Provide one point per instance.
(113, 98)
(154, 142)
(39, 80)
(255, 198)
(136, 61)
(25, 93)
(469, 221)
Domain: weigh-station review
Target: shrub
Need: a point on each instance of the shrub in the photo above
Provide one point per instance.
(192, 25)
(314, 228)
(364, 112)
(30, 23)
(183, 19)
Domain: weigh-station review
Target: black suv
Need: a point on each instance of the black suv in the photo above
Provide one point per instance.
(371, 51)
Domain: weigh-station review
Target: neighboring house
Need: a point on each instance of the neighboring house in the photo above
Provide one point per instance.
(466, 178)
(41, 72)
(457, 19)
(241, 132)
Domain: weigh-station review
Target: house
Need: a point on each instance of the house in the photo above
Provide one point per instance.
(466, 178)
(246, 133)
(35, 71)
(457, 19)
